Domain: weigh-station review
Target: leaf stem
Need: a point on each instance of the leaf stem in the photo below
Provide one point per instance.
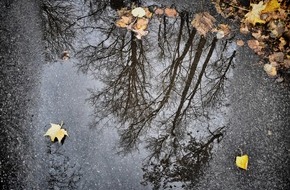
(236, 6)
(241, 151)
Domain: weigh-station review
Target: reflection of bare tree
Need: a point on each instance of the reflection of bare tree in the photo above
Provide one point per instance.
(58, 17)
(173, 160)
(158, 86)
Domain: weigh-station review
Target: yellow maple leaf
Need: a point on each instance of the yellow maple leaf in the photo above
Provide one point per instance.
(271, 5)
(55, 131)
(242, 161)
(253, 16)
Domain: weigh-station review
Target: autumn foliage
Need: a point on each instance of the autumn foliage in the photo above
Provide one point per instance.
(268, 23)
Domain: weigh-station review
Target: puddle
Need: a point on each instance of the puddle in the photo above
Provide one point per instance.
(140, 114)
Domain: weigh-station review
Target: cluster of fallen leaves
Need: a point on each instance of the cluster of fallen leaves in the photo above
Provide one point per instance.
(268, 22)
(137, 19)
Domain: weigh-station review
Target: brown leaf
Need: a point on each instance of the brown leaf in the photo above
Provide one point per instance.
(244, 29)
(148, 14)
(159, 11)
(141, 24)
(124, 21)
(270, 70)
(286, 63)
(276, 57)
(170, 12)
(240, 42)
(282, 44)
(203, 23)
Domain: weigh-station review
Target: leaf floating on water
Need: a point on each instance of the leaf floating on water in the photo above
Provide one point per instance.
(170, 12)
(203, 23)
(55, 131)
(138, 12)
(242, 161)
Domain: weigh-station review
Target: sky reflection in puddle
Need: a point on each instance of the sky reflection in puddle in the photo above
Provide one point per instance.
(165, 93)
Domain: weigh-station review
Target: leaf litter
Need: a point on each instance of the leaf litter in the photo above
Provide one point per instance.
(268, 21)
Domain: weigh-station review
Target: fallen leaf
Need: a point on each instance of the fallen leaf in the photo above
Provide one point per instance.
(141, 24)
(55, 131)
(138, 12)
(277, 28)
(124, 21)
(282, 43)
(286, 63)
(148, 13)
(140, 33)
(222, 31)
(203, 22)
(271, 5)
(253, 16)
(270, 70)
(277, 57)
(123, 11)
(240, 42)
(244, 29)
(255, 45)
(242, 161)
(170, 12)
(65, 55)
(159, 11)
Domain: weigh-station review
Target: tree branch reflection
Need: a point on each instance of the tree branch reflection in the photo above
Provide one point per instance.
(155, 90)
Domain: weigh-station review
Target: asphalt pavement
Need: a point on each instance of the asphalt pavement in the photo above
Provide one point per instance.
(35, 92)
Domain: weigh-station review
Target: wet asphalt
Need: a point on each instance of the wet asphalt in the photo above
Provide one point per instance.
(35, 92)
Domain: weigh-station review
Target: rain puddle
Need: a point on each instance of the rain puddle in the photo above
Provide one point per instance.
(140, 114)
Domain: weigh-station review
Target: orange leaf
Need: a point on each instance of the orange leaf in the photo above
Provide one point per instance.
(159, 11)
(170, 12)
(141, 24)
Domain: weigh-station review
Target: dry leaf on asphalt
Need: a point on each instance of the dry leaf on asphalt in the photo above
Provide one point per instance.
(270, 70)
(253, 16)
(242, 161)
(55, 131)
(240, 42)
(203, 23)
(271, 5)
(255, 45)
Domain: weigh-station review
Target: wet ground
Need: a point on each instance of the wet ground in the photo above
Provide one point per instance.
(170, 111)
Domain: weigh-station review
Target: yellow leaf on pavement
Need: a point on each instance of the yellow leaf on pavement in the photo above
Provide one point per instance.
(271, 5)
(55, 131)
(242, 161)
(253, 16)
